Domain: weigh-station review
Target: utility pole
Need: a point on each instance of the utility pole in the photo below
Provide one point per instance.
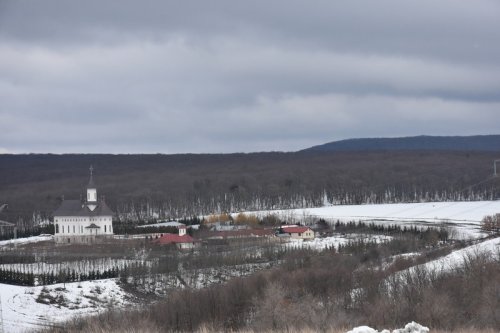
(2, 207)
(7, 224)
(1, 316)
(495, 167)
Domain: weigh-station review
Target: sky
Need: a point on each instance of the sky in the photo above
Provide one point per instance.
(221, 76)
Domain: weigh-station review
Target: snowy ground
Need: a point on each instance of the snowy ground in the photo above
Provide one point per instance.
(163, 224)
(456, 259)
(465, 217)
(21, 312)
(27, 240)
(412, 327)
(335, 241)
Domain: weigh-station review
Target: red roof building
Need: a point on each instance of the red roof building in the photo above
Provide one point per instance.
(182, 242)
(295, 229)
(298, 232)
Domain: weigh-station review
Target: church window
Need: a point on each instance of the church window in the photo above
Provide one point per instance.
(63, 229)
(57, 228)
(73, 229)
(104, 228)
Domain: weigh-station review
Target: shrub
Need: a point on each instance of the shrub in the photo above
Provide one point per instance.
(491, 223)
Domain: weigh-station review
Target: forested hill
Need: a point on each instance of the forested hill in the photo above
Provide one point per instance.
(453, 143)
(140, 187)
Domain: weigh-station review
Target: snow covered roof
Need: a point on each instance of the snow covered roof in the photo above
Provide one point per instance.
(76, 208)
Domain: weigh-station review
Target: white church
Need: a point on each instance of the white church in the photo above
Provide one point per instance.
(83, 221)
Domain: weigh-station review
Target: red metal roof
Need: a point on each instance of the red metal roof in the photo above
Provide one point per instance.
(175, 239)
(295, 230)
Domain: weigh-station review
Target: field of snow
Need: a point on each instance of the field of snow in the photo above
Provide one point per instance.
(334, 241)
(22, 313)
(455, 259)
(26, 240)
(465, 217)
(163, 224)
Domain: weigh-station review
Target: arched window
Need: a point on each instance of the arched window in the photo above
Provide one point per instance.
(57, 228)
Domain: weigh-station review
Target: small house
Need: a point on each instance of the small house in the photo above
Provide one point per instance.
(298, 232)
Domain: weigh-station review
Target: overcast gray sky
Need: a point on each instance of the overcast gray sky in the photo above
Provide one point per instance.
(239, 76)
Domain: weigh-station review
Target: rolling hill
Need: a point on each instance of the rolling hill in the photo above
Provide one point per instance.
(485, 143)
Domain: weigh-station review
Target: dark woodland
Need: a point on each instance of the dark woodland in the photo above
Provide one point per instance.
(149, 187)
(422, 142)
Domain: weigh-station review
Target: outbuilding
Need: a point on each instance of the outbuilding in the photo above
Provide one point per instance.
(298, 232)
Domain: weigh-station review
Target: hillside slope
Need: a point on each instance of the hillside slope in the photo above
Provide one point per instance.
(452, 143)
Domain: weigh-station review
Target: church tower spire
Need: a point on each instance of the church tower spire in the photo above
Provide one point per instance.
(91, 191)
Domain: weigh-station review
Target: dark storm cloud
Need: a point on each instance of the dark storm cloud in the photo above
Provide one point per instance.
(221, 76)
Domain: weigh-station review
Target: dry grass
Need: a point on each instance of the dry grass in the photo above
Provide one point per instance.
(145, 326)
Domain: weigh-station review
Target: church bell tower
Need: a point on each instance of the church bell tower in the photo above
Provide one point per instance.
(91, 192)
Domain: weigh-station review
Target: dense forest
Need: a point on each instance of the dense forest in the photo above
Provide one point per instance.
(422, 142)
(146, 187)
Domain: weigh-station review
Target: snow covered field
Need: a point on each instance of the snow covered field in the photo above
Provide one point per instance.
(334, 241)
(465, 217)
(456, 259)
(21, 312)
(26, 240)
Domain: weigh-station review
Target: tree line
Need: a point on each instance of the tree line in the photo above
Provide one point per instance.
(146, 187)
(28, 278)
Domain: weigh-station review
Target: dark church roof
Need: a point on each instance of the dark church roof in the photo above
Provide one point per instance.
(77, 208)
(91, 182)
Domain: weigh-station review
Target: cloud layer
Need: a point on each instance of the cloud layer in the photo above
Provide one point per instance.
(223, 76)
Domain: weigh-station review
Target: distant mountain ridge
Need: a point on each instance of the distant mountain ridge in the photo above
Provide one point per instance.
(487, 143)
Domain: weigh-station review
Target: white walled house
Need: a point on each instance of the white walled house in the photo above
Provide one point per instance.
(298, 232)
(83, 221)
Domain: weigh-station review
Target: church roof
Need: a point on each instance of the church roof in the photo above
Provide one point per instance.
(91, 183)
(76, 208)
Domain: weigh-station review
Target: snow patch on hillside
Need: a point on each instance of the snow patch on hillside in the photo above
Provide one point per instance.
(28, 308)
(26, 240)
(412, 327)
(334, 241)
(490, 248)
(163, 224)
